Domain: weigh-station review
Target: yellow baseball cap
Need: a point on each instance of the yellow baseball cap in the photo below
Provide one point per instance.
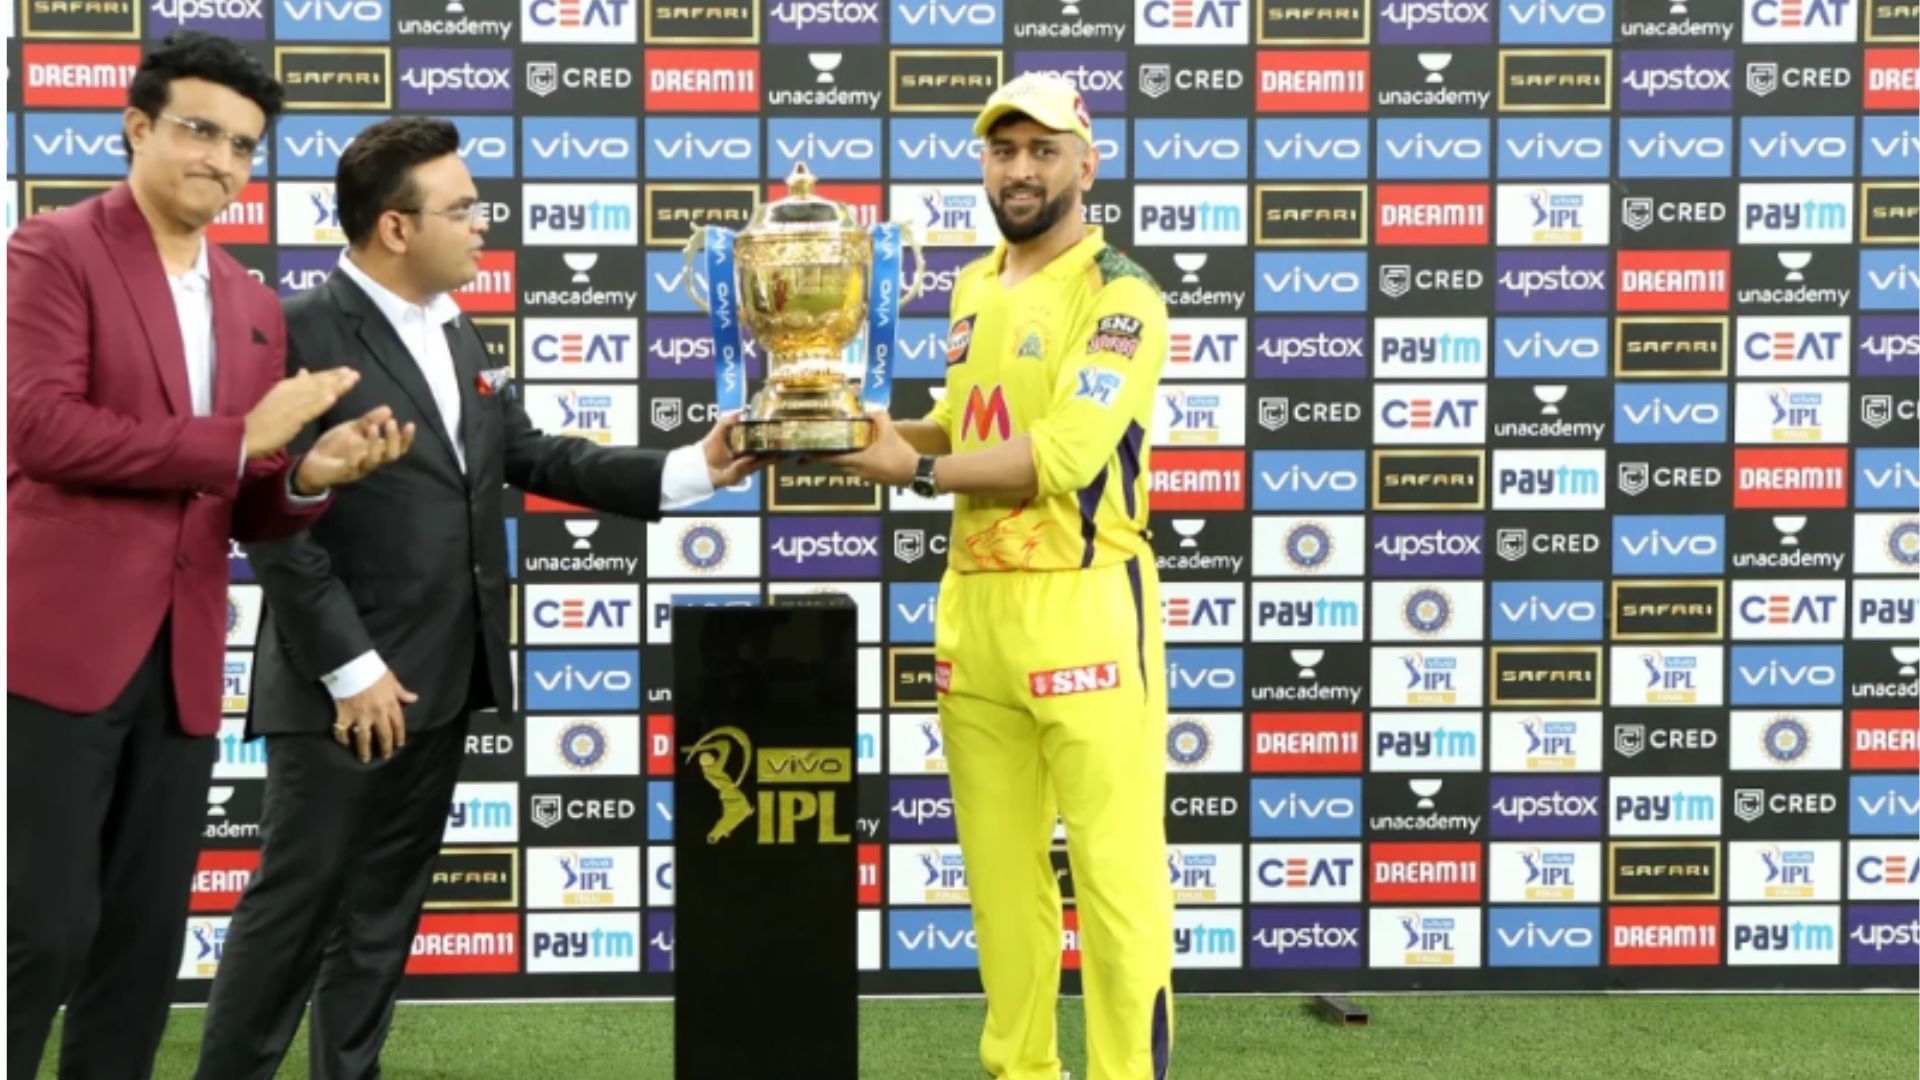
(1049, 100)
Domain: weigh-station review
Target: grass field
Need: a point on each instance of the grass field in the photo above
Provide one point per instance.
(1220, 1038)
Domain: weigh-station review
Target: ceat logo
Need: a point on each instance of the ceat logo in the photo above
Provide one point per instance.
(1780, 479)
(1197, 480)
(1315, 81)
(1893, 80)
(703, 80)
(465, 945)
(220, 878)
(1674, 280)
(493, 289)
(244, 221)
(86, 75)
(863, 199)
(985, 418)
(1060, 682)
(1660, 936)
(1432, 214)
(1885, 739)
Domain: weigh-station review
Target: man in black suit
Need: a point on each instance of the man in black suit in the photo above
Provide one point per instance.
(388, 622)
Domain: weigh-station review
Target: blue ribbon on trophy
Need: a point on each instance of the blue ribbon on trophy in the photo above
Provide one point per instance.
(883, 317)
(723, 318)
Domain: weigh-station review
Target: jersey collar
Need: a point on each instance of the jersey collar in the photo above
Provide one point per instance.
(1067, 263)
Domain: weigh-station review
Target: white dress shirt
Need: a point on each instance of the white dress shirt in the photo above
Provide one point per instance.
(683, 481)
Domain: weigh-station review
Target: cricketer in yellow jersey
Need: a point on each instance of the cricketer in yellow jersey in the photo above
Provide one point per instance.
(1048, 652)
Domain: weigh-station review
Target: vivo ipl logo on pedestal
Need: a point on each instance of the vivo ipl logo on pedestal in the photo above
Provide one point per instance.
(725, 756)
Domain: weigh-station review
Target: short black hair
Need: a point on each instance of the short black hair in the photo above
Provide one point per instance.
(194, 54)
(376, 172)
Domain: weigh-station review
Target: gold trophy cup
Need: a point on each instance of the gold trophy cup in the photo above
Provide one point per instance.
(804, 279)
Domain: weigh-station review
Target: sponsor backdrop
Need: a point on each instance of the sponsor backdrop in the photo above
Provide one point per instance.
(1535, 480)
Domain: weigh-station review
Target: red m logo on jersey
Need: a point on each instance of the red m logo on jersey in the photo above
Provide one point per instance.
(986, 415)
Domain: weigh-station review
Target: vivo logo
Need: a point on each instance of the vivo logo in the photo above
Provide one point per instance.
(1301, 280)
(1659, 412)
(486, 148)
(1301, 148)
(318, 144)
(1784, 145)
(1534, 609)
(933, 13)
(1666, 147)
(1657, 543)
(811, 147)
(1547, 13)
(1181, 148)
(1534, 936)
(73, 144)
(365, 11)
(1775, 673)
(931, 147)
(566, 147)
(1544, 147)
(573, 678)
(1422, 148)
(691, 147)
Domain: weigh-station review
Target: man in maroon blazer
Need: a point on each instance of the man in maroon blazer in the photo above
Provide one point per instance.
(147, 419)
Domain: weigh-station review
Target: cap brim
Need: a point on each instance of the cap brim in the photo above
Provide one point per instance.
(991, 115)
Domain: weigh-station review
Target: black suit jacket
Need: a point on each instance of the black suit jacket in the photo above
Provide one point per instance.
(411, 561)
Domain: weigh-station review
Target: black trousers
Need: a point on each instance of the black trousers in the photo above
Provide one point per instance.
(348, 853)
(104, 815)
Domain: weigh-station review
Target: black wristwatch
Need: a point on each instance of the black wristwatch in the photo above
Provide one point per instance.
(922, 482)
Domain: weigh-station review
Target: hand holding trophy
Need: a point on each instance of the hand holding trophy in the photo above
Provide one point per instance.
(804, 277)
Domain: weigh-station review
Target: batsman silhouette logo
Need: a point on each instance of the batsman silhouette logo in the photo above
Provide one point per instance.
(781, 777)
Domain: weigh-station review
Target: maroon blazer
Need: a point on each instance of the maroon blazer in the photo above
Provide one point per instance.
(119, 500)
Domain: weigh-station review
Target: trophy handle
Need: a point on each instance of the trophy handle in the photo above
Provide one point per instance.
(914, 289)
(696, 244)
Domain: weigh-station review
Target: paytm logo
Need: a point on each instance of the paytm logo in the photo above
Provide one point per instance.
(1563, 148)
(1310, 149)
(929, 149)
(1556, 22)
(75, 144)
(1311, 281)
(1796, 146)
(1212, 215)
(1191, 149)
(1306, 808)
(1671, 413)
(931, 939)
(568, 680)
(1665, 805)
(1546, 611)
(331, 20)
(578, 148)
(845, 149)
(1543, 937)
(1204, 678)
(1690, 147)
(1432, 149)
(582, 214)
(703, 148)
(946, 22)
(1295, 480)
(483, 813)
(310, 146)
(1574, 348)
(1680, 545)
(911, 608)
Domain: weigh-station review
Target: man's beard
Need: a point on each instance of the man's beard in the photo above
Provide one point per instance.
(1019, 232)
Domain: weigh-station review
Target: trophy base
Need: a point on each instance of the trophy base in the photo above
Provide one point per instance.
(798, 438)
(800, 421)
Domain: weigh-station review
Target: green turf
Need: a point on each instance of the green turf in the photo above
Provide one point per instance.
(1220, 1038)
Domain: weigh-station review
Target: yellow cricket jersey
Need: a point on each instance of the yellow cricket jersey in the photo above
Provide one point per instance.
(1070, 357)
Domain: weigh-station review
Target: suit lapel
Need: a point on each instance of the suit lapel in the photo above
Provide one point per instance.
(387, 350)
(466, 374)
(230, 342)
(127, 234)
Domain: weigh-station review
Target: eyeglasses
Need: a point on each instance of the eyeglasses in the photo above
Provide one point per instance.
(459, 215)
(208, 133)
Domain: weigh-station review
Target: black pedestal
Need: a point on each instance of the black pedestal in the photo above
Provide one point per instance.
(765, 957)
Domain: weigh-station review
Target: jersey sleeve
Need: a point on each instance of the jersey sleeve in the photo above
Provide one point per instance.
(1105, 384)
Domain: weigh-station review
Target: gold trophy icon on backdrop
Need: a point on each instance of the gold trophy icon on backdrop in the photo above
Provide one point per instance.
(804, 278)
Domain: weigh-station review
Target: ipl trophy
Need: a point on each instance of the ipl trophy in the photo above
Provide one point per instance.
(803, 277)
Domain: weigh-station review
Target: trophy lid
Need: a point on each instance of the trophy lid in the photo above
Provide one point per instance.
(801, 211)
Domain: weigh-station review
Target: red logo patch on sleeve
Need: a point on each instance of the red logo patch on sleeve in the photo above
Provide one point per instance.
(942, 676)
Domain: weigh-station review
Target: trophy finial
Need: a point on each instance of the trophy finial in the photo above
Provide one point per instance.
(800, 181)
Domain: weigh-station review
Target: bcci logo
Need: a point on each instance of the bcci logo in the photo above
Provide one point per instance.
(703, 548)
(583, 746)
(1786, 740)
(1189, 743)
